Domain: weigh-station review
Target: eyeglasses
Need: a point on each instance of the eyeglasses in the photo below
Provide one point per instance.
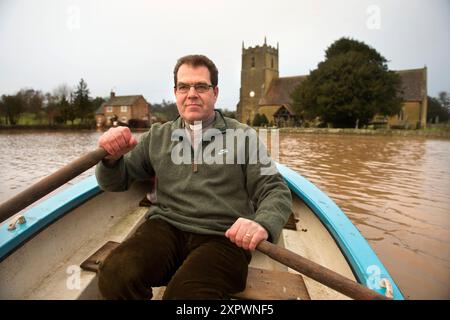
(199, 87)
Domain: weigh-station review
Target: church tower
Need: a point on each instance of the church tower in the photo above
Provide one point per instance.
(259, 67)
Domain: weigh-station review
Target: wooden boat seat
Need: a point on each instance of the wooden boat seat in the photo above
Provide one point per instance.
(273, 285)
(261, 284)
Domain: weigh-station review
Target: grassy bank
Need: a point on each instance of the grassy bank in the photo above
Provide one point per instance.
(31, 122)
(430, 132)
(48, 127)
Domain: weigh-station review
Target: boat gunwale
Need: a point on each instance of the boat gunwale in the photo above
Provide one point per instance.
(45, 213)
(355, 248)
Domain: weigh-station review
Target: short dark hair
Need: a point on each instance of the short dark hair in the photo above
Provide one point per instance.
(197, 60)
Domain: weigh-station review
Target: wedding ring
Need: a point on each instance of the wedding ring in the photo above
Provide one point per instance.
(248, 235)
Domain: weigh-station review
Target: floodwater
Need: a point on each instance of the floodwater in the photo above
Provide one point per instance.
(396, 190)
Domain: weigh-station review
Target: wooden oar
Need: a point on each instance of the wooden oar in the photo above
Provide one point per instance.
(286, 257)
(319, 273)
(50, 183)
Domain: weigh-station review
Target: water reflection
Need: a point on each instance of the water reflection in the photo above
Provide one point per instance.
(395, 190)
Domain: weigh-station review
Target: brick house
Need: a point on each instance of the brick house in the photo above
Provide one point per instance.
(127, 110)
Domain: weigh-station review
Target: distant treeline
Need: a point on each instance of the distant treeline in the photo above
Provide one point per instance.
(62, 106)
(67, 106)
(167, 111)
(439, 108)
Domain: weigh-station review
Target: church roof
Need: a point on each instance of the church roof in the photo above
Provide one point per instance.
(280, 90)
(269, 111)
(413, 84)
(288, 108)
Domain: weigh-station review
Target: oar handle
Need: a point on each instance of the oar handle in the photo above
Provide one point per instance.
(50, 183)
(319, 273)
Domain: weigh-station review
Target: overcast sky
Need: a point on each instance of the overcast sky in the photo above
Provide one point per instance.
(132, 46)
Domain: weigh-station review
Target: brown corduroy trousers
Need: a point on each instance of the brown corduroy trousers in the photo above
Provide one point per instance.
(192, 266)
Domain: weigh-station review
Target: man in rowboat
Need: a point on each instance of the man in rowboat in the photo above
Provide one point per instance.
(209, 215)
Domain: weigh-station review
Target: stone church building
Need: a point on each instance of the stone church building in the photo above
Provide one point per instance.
(263, 91)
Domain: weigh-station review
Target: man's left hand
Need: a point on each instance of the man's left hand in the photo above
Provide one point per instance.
(246, 233)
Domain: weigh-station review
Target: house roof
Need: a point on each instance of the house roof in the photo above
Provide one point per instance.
(280, 90)
(122, 100)
(119, 101)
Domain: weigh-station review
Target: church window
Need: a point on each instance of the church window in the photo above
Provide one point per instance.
(272, 64)
(253, 62)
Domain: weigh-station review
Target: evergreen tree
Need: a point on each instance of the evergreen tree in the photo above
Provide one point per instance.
(350, 87)
(82, 103)
(264, 120)
(67, 112)
(257, 120)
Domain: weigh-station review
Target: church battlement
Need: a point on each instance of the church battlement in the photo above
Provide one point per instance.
(258, 49)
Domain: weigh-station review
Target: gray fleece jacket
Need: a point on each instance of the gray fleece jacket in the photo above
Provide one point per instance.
(205, 194)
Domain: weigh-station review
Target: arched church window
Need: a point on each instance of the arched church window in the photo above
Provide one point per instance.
(253, 62)
(272, 64)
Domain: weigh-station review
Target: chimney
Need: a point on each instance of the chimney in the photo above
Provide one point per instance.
(113, 94)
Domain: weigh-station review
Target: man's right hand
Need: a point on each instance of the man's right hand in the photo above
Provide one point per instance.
(117, 141)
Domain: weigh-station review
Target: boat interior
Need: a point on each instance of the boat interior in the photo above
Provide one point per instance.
(61, 261)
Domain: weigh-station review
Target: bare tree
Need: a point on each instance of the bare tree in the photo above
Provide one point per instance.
(50, 106)
(63, 90)
(33, 102)
(444, 100)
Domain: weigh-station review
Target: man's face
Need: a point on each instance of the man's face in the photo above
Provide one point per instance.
(192, 105)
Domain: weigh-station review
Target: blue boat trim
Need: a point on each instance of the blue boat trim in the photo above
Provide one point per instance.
(44, 213)
(368, 269)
